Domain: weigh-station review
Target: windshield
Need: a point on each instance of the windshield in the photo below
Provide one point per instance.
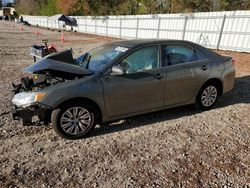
(99, 57)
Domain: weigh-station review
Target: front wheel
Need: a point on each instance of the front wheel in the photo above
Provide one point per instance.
(74, 120)
(207, 97)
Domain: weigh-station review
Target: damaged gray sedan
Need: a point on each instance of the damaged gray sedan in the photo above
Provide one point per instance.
(120, 80)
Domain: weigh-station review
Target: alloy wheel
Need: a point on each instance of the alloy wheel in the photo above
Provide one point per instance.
(209, 96)
(76, 120)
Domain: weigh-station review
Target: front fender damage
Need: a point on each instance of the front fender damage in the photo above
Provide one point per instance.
(48, 71)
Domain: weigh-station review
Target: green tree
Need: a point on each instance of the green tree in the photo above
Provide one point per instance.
(230, 5)
(30, 7)
(126, 7)
(49, 8)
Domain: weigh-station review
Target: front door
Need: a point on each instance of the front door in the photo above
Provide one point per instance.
(140, 89)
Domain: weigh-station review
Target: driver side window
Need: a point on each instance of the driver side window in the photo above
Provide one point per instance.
(143, 59)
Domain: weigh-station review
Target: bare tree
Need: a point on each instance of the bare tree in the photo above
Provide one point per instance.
(31, 7)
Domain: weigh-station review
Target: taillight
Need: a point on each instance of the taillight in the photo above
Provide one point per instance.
(234, 61)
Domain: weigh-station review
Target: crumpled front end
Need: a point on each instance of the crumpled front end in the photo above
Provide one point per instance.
(27, 114)
(47, 72)
(27, 105)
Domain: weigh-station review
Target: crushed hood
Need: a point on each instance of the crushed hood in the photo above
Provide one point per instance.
(59, 62)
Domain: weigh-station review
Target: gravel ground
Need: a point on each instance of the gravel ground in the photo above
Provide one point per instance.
(181, 147)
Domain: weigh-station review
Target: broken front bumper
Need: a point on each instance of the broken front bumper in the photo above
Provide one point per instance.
(27, 114)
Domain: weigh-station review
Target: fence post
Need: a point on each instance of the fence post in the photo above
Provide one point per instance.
(184, 28)
(107, 26)
(137, 27)
(221, 32)
(159, 27)
(78, 24)
(86, 21)
(95, 27)
(120, 32)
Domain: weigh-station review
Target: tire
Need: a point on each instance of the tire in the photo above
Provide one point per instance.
(207, 96)
(74, 120)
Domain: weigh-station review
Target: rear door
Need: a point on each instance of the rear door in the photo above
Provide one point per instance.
(185, 70)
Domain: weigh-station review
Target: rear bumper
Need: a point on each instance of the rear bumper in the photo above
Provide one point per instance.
(229, 80)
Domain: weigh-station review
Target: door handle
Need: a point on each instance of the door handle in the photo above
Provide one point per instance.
(158, 76)
(204, 68)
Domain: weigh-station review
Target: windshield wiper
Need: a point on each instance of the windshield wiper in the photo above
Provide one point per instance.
(84, 57)
(87, 64)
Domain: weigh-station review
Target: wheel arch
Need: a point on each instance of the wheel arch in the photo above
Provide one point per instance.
(86, 101)
(216, 81)
(213, 81)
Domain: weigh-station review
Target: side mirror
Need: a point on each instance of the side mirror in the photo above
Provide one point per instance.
(117, 70)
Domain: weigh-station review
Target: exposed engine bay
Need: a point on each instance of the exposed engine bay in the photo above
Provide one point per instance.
(37, 82)
(50, 70)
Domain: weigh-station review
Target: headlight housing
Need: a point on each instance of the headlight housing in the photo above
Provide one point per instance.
(27, 99)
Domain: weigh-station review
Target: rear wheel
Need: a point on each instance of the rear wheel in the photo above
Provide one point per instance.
(207, 96)
(74, 120)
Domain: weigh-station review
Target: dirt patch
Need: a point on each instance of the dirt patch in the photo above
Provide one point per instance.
(181, 147)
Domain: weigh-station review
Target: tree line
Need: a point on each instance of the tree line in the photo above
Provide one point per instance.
(126, 7)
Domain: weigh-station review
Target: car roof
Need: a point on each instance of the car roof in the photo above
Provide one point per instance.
(137, 43)
(145, 42)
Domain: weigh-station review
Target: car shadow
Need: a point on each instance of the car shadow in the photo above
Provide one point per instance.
(240, 94)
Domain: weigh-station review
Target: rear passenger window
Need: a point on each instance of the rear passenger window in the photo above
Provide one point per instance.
(177, 54)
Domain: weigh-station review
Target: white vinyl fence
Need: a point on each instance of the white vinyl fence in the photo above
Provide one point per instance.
(217, 30)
